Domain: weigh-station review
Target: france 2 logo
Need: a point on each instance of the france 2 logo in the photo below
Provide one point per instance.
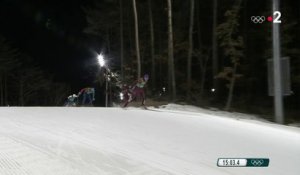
(260, 19)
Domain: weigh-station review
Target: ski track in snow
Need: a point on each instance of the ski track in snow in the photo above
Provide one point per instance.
(93, 141)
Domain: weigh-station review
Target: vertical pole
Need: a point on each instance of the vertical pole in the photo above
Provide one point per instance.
(215, 61)
(278, 99)
(137, 44)
(5, 90)
(153, 64)
(171, 64)
(106, 88)
(1, 91)
(121, 39)
(110, 94)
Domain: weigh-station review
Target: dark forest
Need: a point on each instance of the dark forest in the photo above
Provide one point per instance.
(207, 53)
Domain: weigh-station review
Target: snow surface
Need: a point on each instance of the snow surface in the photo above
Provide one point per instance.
(181, 140)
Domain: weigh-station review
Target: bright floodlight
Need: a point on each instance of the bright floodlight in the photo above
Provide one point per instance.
(101, 60)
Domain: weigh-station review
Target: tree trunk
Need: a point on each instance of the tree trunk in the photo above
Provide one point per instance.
(231, 88)
(5, 90)
(21, 92)
(190, 51)
(203, 67)
(160, 49)
(129, 30)
(137, 45)
(108, 40)
(202, 62)
(215, 63)
(110, 96)
(171, 76)
(1, 90)
(245, 38)
(121, 40)
(153, 74)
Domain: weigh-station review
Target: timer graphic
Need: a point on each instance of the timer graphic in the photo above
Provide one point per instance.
(260, 19)
(243, 162)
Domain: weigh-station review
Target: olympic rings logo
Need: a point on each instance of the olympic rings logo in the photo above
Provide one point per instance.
(257, 162)
(258, 19)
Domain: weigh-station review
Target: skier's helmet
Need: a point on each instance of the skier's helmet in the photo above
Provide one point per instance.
(146, 77)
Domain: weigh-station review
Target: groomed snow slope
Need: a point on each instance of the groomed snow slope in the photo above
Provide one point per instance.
(100, 141)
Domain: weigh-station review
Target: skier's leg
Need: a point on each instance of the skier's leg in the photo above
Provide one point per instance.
(89, 100)
(143, 97)
(131, 97)
(76, 101)
(84, 99)
(125, 104)
(140, 95)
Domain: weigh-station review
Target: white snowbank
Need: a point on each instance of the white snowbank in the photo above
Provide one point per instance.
(100, 141)
(190, 109)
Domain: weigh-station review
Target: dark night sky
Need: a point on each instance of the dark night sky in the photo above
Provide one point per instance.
(51, 31)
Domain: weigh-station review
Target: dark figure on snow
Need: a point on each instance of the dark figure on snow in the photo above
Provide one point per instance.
(137, 91)
(88, 96)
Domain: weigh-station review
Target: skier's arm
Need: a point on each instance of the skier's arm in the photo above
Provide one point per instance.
(93, 92)
(81, 91)
(144, 82)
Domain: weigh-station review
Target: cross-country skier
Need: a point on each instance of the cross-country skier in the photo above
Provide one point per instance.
(72, 100)
(138, 91)
(88, 96)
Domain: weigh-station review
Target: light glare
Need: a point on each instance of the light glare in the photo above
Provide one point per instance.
(121, 96)
(101, 60)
